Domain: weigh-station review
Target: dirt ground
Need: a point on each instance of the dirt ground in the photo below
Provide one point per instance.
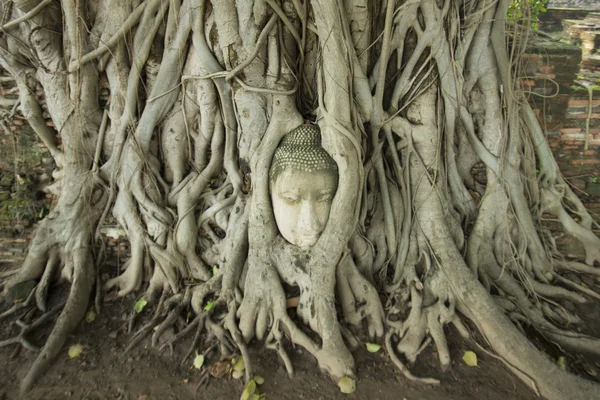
(104, 371)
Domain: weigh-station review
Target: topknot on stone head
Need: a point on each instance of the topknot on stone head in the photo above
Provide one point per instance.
(301, 150)
(304, 135)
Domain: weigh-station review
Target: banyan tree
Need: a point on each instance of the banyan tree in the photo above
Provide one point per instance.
(299, 171)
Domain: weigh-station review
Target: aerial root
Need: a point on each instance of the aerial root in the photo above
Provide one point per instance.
(41, 291)
(354, 289)
(236, 335)
(141, 333)
(71, 315)
(184, 332)
(525, 311)
(396, 360)
(19, 306)
(196, 339)
(573, 266)
(9, 273)
(273, 342)
(26, 329)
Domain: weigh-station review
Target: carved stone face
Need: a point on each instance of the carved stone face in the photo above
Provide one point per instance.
(301, 203)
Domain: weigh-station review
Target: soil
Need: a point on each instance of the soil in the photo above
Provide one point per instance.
(105, 371)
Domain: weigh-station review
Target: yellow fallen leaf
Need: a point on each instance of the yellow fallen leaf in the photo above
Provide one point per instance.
(90, 316)
(75, 350)
(372, 347)
(347, 385)
(239, 365)
(470, 358)
(561, 362)
(198, 361)
(237, 374)
(250, 390)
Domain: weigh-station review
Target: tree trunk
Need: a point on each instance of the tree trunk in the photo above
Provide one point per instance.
(408, 95)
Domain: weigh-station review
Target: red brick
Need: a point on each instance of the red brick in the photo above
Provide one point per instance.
(545, 76)
(587, 161)
(527, 82)
(582, 102)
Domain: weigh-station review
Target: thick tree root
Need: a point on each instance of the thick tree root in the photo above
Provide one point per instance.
(71, 315)
(201, 94)
(26, 329)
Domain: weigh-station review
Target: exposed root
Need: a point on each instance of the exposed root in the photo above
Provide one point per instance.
(195, 113)
(396, 360)
(26, 329)
(19, 305)
(73, 312)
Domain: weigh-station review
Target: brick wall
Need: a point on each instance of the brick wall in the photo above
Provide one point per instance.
(553, 19)
(552, 71)
(549, 70)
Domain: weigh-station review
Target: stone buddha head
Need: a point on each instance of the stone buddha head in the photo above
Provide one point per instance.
(303, 180)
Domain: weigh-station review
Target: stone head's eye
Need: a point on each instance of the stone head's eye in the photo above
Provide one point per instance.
(325, 198)
(290, 198)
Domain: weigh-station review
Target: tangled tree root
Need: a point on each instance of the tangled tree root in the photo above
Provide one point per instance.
(408, 97)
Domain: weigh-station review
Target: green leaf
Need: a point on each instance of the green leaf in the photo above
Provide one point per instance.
(347, 385)
(209, 305)
(372, 347)
(259, 380)
(250, 390)
(198, 361)
(75, 351)
(470, 358)
(139, 305)
(215, 270)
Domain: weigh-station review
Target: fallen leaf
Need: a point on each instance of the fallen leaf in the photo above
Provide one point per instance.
(75, 350)
(259, 380)
(186, 380)
(250, 391)
(561, 362)
(237, 374)
(209, 305)
(220, 368)
(372, 347)
(470, 358)
(90, 316)
(139, 305)
(198, 361)
(238, 364)
(347, 385)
